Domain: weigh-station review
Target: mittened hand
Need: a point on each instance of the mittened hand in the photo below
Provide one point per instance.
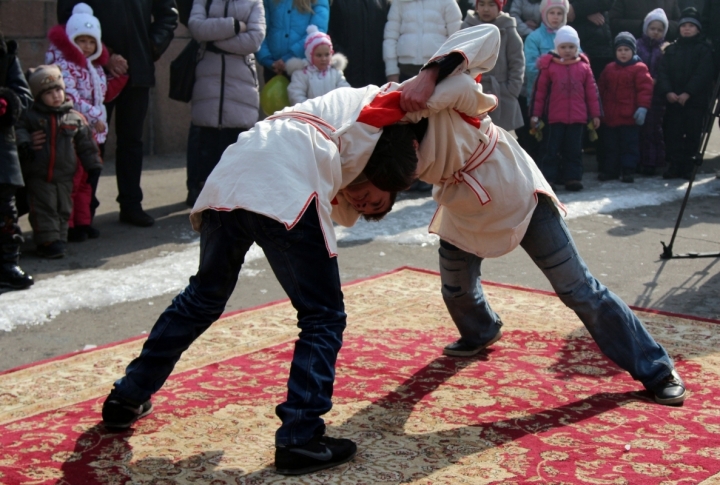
(640, 116)
(3, 106)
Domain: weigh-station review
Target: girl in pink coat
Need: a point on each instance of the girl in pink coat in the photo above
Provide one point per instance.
(566, 97)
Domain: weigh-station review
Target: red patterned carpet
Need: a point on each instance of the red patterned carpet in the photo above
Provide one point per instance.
(542, 406)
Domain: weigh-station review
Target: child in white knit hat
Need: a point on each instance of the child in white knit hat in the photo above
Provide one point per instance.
(77, 49)
(566, 97)
(320, 72)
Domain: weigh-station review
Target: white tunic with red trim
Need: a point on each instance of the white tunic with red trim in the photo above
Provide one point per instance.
(300, 154)
(485, 185)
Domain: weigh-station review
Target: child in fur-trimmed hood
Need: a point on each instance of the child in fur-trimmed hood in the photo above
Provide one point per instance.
(320, 72)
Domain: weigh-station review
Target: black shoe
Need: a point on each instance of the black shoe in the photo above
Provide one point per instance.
(649, 171)
(77, 234)
(461, 349)
(671, 174)
(53, 250)
(14, 278)
(91, 232)
(119, 414)
(319, 453)
(628, 179)
(604, 177)
(136, 217)
(573, 185)
(670, 391)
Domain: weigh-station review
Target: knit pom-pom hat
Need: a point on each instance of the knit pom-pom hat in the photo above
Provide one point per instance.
(314, 39)
(657, 15)
(567, 35)
(546, 5)
(83, 22)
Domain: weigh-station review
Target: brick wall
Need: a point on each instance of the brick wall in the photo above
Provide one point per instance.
(28, 21)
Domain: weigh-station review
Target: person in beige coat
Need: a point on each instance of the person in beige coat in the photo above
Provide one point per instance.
(505, 80)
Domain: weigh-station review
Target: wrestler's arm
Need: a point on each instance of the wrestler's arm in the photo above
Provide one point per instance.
(417, 91)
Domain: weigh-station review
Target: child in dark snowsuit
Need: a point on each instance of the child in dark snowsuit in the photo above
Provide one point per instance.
(685, 79)
(649, 49)
(49, 166)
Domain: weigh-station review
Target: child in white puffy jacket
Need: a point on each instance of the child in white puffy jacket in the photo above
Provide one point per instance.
(320, 72)
(415, 29)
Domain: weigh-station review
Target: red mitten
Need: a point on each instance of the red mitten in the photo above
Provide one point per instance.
(3, 106)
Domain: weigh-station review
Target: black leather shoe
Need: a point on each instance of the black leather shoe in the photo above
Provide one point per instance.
(14, 278)
(462, 349)
(136, 217)
(670, 391)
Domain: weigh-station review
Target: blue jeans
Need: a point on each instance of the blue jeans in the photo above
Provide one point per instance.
(622, 149)
(311, 279)
(564, 142)
(617, 331)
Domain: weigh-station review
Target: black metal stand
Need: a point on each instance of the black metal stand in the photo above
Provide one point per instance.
(711, 115)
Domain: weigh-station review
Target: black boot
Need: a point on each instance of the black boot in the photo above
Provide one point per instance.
(11, 276)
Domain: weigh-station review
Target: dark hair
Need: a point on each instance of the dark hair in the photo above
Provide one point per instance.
(379, 216)
(393, 163)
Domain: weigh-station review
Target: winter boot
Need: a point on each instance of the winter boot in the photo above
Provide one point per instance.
(11, 276)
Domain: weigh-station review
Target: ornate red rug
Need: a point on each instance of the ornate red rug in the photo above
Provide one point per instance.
(542, 406)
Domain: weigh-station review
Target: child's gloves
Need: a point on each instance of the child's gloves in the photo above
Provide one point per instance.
(537, 131)
(3, 106)
(592, 132)
(640, 116)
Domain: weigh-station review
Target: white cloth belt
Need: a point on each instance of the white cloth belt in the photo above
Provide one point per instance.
(488, 141)
(325, 128)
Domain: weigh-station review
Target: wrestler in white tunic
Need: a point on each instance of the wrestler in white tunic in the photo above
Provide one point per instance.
(485, 185)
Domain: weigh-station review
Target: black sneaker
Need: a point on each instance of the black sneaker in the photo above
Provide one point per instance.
(462, 349)
(319, 453)
(670, 391)
(136, 217)
(119, 414)
(91, 232)
(573, 185)
(53, 250)
(628, 179)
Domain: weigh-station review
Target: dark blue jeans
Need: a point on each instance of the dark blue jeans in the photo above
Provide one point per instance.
(622, 149)
(612, 324)
(564, 142)
(299, 258)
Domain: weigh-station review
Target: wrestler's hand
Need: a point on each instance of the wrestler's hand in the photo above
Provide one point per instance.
(417, 91)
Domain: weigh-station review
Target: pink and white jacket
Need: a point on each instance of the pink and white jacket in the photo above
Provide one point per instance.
(565, 90)
(85, 83)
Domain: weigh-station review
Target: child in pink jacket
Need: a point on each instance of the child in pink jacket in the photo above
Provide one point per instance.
(566, 97)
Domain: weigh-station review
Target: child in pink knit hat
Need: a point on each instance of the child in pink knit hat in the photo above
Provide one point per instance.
(320, 72)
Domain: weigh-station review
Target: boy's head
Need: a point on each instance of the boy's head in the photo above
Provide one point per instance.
(47, 85)
(83, 30)
(567, 43)
(318, 48)
(554, 13)
(656, 24)
(489, 10)
(390, 169)
(689, 22)
(625, 46)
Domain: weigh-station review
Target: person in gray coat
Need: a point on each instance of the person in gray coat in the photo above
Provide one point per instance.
(505, 80)
(527, 15)
(225, 99)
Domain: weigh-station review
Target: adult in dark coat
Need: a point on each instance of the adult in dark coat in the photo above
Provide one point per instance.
(15, 98)
(711, 22)
(356, 28)
(628, 16)
(136, 32)
(591, 20)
